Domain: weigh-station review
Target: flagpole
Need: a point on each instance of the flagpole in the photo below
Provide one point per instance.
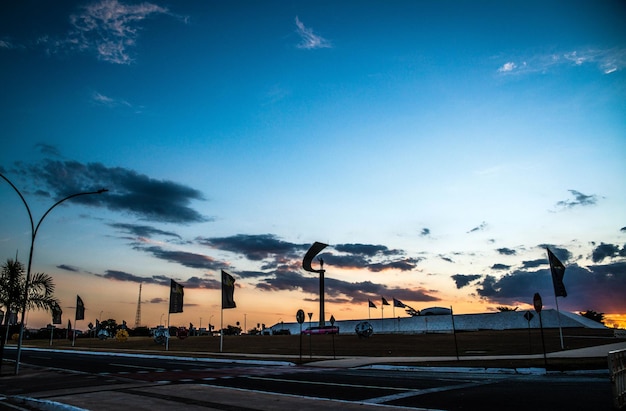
(222, 316)
(167, 335)
(222, 328)
(558, 316)
(557, 271)
(456, 346)
(393, 311)
(74, 333)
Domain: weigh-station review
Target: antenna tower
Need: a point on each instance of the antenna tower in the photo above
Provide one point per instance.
(138, 315)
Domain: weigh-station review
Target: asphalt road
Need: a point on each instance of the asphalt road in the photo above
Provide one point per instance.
(78, 379)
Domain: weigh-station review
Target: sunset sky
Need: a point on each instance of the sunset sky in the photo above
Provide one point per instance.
(438, 147)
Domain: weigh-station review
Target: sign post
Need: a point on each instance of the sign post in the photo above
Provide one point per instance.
(332, 323)
(529, 316)
(538, 304)
(300, 319)
(310, 346)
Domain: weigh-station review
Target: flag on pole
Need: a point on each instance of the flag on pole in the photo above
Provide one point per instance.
(384, 301)
(398, 303)
(56, 314)
(176, 297)
(228, 291)
(558, 271)
(80, 309)
(371, 304)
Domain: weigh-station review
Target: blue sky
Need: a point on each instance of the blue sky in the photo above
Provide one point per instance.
(437, 147)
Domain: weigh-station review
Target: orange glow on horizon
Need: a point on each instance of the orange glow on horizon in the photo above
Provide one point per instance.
(615, 321)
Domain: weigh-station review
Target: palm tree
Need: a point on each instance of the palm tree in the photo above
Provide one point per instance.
(12, 284)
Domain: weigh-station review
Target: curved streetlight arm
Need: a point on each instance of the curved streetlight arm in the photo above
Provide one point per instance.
(102, 190)
(34, 230)
(34, 234)
(30, 215)
(30, 260)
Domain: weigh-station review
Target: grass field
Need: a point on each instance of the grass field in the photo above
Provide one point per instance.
(476, 343)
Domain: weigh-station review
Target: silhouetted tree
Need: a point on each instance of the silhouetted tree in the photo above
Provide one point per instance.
(109, 325)
(232, 330)
(12, 283)
(503, 308)
(592, 315)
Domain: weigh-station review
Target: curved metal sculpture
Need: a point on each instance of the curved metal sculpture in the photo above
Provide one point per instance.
(364, 329)
(306, 264)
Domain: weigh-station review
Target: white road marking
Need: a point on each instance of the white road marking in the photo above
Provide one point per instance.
(411, 393)
(330, 383)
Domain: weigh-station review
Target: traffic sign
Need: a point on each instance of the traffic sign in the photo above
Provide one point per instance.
(537, 302)
(332, 320)
(300, 316)
(528, 315)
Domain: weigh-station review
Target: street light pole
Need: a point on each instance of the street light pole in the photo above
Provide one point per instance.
(34, 230)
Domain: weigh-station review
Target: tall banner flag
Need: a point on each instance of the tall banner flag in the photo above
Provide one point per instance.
(382, 312)
(176, 297)
(228, 301)
(558, 271)
(228, 291)
(370, 304)
(399, 304)
(56, 314)
(80, 309)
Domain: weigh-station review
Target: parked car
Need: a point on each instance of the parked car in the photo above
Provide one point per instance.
(328, 329)
(435, 311)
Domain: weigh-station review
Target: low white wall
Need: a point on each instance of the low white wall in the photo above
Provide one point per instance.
(507, 320)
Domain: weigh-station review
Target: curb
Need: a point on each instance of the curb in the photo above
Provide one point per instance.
(44, 405)
(170, 357)
(479, 370)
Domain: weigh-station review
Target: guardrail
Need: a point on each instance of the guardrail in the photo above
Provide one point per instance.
(617, 370)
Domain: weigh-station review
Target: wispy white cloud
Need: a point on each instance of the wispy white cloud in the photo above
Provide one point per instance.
(107, 29)
(110, 29)
(310, 40)
(606, 60)
(9, 44)
(107, 101)
(5, 44)
(506, 67)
